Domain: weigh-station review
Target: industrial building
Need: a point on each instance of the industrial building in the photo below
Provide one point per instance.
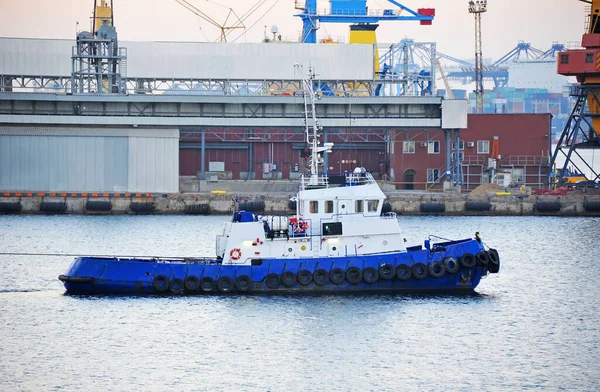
(98, 114)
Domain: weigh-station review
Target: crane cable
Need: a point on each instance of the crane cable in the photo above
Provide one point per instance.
(259, 19)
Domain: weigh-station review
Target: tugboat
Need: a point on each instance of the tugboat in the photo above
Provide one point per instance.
(339, 241)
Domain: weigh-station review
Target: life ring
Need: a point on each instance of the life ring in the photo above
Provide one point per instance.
(300, 227)
(235, 254)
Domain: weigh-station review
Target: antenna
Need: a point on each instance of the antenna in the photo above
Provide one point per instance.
(311, 121)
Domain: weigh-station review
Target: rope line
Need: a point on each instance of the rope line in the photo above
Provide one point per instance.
(114, 256)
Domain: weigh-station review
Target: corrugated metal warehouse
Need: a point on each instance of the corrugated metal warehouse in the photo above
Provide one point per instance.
(25, 56)
(77, 159)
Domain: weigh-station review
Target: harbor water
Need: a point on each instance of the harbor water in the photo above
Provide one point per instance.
(533, 326)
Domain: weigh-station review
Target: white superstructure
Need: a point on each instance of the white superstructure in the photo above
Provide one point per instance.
(336, 215)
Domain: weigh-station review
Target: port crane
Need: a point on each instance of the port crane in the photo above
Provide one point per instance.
(582, 130)
(224, 27)
(357, 12)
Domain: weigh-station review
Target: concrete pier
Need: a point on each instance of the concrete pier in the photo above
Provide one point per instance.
(574, 204)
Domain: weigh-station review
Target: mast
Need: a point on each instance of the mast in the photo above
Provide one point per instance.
(312, 127)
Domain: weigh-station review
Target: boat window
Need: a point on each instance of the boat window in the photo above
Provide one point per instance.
(328, 206)
(372, 205)
(358, 206)
(313, 207)
(332, 228)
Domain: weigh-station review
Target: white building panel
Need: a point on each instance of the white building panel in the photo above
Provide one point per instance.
(24, 56)
(55, 159)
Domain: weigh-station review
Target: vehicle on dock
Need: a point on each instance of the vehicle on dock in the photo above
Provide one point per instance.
(339, 241)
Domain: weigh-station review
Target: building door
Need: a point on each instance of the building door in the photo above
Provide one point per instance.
(409, 179)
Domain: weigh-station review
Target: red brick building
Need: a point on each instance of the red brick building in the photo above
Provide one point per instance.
(418, 158)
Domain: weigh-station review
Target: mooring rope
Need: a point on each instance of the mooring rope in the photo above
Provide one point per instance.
(88, 255)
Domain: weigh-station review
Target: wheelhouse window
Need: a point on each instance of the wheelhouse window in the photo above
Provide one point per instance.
(433, 147)
(358, 206)
(564, 59)
(328, 206)
(372, 205)
(408, 147)
(483, 147)
(313, 207)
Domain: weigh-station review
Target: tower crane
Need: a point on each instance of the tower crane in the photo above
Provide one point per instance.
(225, 29)
(477, 8)
(582, 130)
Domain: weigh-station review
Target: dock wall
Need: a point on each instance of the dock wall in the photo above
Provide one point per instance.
(207, 203)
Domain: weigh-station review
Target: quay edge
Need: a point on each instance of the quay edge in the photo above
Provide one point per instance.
(574, 204)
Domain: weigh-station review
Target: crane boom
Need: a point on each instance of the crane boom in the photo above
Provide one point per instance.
(223, 27)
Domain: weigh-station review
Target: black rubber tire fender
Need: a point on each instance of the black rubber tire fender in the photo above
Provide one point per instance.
(483, 258)
(403, 272)
(353, 275)
(273, 281)
(494, 265)
(176, 286)
(207, 284)
(337, 276)
(419, 270)
(386, 271)
(370, 275)
(288, 279)
(305, 277)
(321, 277)
(243, 283)
(161, 283)
(191, 283)
(437, 269)
(451, 264)
(225, 284)
(468, 260)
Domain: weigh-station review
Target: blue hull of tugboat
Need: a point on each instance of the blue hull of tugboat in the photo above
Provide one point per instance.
(455, 266)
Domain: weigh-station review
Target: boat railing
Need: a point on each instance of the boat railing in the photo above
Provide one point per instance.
(327, 180)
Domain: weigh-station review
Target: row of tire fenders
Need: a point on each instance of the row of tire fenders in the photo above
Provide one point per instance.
(353, 275)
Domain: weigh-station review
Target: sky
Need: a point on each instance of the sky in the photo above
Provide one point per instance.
(539, 22)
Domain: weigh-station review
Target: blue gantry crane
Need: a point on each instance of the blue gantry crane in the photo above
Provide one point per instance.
(355, 12)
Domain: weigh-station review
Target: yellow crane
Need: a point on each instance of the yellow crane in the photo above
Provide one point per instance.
(225, 29)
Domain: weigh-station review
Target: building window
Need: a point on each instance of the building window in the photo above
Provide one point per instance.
(328, 206)
(461, 145)
(433, 176)
(358, 206)
(433, 147)
(483, 147)
(517, 175)
(372, 205)
(564, 59)
(461, 156)
(313, 207)
(589, 58)
(408, 147)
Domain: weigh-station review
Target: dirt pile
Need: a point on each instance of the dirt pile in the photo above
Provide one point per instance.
(486, 190)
